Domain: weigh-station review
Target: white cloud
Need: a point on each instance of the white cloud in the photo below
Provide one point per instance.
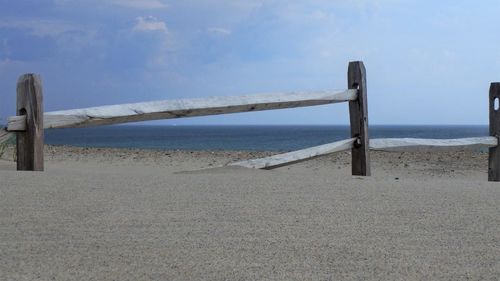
(161, 45)
(141, 4)
(219, 30)
(150, 24)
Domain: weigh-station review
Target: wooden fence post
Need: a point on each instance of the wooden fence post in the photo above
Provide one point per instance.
(30, 142)
(494, 152)
(358, 113)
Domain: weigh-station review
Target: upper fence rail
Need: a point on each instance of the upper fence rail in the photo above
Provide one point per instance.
(169, 109)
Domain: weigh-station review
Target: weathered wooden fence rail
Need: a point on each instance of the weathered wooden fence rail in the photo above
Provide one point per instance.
(393, 144)
(169, 109)
(31, 121)
(288, 158)
(431, 145)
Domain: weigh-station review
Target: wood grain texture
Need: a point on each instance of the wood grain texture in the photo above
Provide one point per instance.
(358, 115)
(431, 145)
(30, 142)
(293, 157)
(167, 109)
(494, 152)
(16, 123)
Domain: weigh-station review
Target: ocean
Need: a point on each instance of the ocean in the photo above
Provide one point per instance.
(245, 138)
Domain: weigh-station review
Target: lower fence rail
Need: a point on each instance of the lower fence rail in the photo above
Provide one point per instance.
(424, 145)
(289, 158)
(387, 144)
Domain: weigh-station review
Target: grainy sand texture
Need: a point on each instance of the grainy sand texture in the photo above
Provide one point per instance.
(115, 214)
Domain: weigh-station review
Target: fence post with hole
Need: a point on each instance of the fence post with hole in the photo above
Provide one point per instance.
(29, 142)
(494, 152)
(358, 114)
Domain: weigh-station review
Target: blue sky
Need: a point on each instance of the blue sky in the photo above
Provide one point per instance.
(428, 62)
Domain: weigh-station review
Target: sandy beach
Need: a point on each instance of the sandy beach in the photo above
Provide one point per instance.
(119, 214)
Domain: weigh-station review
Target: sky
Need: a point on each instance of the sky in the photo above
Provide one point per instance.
(428, 62)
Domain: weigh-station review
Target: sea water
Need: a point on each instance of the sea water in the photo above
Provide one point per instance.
(247, 138)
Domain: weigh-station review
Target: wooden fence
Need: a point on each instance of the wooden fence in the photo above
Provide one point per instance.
(30, 122)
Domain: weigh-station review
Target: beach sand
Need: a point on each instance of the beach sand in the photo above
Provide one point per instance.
(118, 214)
